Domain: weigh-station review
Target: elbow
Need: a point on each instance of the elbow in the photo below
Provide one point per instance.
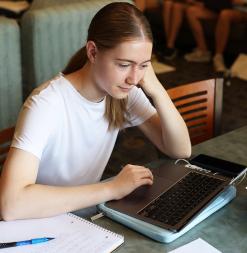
(181, 153)
(178, 154)
(185, 150)
(5, 217)
(185, 154)
(8, 211)
(5, 213)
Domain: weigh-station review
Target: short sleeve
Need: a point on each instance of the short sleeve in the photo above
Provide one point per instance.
(36, 122)
(139, 108)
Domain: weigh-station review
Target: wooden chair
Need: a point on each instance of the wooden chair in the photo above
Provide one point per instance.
(200, 104)
(5, 140)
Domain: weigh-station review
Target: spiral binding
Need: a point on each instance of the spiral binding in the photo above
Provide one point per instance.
(94, 225)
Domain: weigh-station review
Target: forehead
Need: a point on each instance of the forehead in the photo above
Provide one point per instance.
(136, 50)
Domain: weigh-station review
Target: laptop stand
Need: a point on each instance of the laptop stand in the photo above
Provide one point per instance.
(163, 235)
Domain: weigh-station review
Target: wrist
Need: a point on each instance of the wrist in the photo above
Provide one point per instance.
(158, 94)
(156, 91)
(110, 191)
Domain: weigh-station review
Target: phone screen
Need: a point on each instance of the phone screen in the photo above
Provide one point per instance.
(218, 165)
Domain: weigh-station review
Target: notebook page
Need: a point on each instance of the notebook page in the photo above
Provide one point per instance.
(198, 245)
(71, 233)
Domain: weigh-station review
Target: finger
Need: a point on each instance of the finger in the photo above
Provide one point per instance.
(147, 174)
(138, 167)
(144, 181)
(144, 172)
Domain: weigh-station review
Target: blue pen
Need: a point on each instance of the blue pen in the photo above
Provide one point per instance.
(27, 242)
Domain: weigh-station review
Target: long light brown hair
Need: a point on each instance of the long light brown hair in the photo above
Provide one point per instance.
(113, 24)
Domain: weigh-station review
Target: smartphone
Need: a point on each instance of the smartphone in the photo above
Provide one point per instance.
(218, 165)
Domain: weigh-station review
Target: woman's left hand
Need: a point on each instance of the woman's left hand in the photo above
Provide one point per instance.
(150, 83)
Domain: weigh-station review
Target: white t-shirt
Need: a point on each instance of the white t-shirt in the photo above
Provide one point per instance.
(70, 134)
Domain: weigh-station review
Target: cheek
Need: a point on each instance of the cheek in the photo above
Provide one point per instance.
(141, 73)
(109, 75)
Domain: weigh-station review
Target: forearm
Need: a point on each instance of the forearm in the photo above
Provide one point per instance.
(35, 201)
(176, 140)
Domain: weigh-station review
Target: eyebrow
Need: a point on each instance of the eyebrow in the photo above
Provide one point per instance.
(118, 59)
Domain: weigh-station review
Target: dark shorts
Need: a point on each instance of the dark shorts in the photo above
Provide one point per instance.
(218, 5)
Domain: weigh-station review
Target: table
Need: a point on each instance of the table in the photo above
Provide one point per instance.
(226, 229)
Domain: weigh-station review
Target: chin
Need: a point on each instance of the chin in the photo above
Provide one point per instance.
(120, 96)
(120, 93)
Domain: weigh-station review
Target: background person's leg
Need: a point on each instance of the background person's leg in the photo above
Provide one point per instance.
(176, 17)
(176, 22)
(223, 27)
(167, 13)
(195, 14)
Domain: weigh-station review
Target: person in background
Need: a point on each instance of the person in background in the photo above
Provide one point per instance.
(144, 5)
(68, 126)
(225, 17)
(172, 15)
(174, 11)
(223, 27)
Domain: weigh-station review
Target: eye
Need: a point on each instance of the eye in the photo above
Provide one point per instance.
(123, 65)
(143, 66)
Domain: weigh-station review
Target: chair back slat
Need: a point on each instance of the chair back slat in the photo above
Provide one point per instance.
(196, 104)
(182, 102)
(192, 108)
(195, 115)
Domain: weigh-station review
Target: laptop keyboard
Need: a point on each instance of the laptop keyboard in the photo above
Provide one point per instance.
(173, 205)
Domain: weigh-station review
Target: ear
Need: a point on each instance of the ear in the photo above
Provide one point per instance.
(91, 51)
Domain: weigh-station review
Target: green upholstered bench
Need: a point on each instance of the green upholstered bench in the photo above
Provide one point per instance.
(10, 72)
(51, 35)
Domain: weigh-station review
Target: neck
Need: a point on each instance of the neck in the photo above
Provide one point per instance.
(83, 82)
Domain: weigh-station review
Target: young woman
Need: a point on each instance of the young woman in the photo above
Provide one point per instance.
(68, 126)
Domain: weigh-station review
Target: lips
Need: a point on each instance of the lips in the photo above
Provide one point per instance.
(125, 89)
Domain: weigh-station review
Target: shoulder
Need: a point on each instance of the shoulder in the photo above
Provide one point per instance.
(47, 94)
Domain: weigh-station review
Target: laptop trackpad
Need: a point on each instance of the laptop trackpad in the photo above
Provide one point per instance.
(139, 198)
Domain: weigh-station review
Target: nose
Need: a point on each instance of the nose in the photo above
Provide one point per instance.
(133, 77)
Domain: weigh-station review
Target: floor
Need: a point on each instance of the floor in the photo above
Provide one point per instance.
(132, 147)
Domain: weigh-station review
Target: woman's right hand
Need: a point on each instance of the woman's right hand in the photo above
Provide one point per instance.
(130, 178)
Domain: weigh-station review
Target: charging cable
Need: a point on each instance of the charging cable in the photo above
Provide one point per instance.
(192, 166)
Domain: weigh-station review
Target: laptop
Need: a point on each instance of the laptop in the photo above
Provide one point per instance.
(179, 192)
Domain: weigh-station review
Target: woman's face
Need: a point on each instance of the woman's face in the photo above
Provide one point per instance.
(117, 70)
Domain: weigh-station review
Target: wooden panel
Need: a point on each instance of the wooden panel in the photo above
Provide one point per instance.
(196, 103)
(194, 115)
(190, 100)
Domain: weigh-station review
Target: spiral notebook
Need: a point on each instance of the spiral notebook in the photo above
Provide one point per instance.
(71, 233)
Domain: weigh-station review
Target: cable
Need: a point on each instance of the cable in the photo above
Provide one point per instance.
(184, 160)
(192, 166)
(239, 180)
